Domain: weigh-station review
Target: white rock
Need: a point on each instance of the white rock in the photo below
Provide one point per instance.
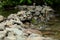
(2, 27)
(9, 22)
(37, 13)
(11, 16)
(38, 8)
(16, 26)
(11, 33)
(46, 9)
(21, 12)
(38, 37)
(30, 7)
(15, 30)
(28, 13)
(2, 34)
(10, 38)
(35, 35)
(1, 18)
(21, 37)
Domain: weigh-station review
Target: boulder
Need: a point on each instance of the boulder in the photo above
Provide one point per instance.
(30, 31)
(21, 12)
(38, 37)
(11, 16)
(9, 23)
(15, 30)
(38, 8)
(47, 9)
(10, 38)
(34, 37)
(2, 27)
(21, 37)
(2, 34)
(1, 18)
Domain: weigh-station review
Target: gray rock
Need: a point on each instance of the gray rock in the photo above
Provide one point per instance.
(11, 16)
(21, 13)
(30, 8)
(38, 8)
(46, 9)
(37, 13)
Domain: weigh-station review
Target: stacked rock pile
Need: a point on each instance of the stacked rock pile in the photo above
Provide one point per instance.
(14, 28)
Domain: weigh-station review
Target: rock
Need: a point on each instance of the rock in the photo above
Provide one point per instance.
(2, 27)
(15, 20)
(30, 8)
(10, 33)
(38, 37)
(19, 7)
(22, 15)
(25, 7)
(9, 23)
(16, 26)
(15, 30)
(29, 15)
(21, 37)
(22, 18)
(30, 31)
(1, 18)
(38, 8)
(21, 26)
(34, 37)
(21, 12)
(18, 22)
(46, 9)
(2, 34)
(10, 38)
(11, 16)
(37, 13)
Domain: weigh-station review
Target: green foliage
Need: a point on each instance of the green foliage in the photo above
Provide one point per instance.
(28, 1)
(51, 2)
(8, 2)
(16, 2)
(33, 20)
(13, 2)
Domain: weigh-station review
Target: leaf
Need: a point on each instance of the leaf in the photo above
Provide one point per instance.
(21, 1)
(29, 1)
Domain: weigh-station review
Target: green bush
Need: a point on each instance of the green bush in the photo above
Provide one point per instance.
(16, 2)
(13, 2)
(52, 2)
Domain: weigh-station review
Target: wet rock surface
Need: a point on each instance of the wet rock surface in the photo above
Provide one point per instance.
(19, 26)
